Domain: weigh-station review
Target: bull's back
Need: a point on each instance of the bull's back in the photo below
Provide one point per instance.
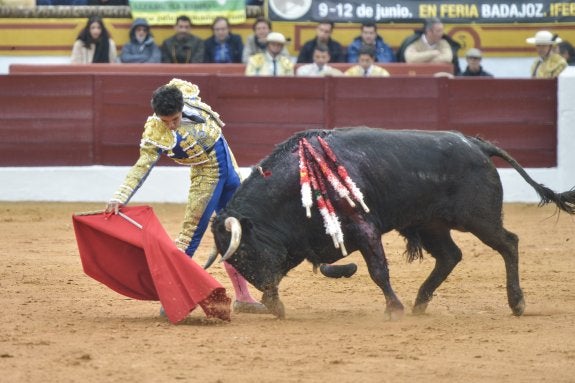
(423, 174)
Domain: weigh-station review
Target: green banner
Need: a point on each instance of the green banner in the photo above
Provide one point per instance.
(453, 12)
(201, 12)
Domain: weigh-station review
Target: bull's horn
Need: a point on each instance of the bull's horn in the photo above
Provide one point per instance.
(233, 225)
(211, 258)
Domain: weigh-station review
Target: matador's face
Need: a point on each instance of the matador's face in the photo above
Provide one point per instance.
(173, 121)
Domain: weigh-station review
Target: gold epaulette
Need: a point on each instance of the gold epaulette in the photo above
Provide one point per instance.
(157, 134)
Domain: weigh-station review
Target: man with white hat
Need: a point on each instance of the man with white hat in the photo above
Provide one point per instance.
(271, 62)
(474, 68)
(549, 64)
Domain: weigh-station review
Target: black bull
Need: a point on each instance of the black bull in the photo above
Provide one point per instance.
(422, 184)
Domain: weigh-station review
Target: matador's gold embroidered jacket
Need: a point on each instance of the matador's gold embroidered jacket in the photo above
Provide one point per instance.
(189, 144)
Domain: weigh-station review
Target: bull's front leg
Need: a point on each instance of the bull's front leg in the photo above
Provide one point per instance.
(271, 300)
(374, 257)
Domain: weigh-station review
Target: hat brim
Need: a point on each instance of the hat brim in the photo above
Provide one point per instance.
(533, 41)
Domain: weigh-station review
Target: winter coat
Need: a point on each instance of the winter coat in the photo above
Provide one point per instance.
(383, 52)
(140, 52)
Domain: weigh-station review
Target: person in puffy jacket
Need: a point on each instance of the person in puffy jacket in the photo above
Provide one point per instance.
(141, 48)
(369, 38)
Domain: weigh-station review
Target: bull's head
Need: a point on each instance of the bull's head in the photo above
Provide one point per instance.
(260, 259)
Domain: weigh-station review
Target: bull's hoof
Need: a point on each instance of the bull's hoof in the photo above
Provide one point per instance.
(275, 307)
(394, 315)
(250, 308)
(394, 312)
(519, 308)
(419, 309)
(338, 271)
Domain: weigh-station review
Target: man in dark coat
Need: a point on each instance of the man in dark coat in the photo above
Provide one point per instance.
(323, 37)
(183, 47)
(223, 46)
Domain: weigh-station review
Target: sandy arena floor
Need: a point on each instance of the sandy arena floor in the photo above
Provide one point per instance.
(58, 325)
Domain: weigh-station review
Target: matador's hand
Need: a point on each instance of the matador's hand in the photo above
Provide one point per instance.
(113, 207)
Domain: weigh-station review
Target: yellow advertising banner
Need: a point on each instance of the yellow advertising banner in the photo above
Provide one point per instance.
(201, 12)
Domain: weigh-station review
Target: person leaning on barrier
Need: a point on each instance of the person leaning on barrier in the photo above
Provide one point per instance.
(323, 32)
(183, 47)
(223, 46)
(94, 44)
(271, 62)
(474, 69)
(320, 66)
(370, 39)
(141, 48)
(256, 43)
(430, 45)
(549, 64)
(366, 65)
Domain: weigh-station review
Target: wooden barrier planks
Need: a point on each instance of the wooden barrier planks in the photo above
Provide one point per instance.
(86, 119)
(46, 120)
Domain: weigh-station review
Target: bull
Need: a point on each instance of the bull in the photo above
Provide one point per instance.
(421, 183)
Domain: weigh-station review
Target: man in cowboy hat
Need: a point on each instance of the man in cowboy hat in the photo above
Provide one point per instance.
(549, 64)
(271, 62)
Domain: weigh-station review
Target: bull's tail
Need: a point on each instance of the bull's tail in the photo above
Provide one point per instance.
(564, 201)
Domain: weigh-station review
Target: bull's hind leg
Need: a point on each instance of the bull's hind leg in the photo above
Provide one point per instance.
(440, 245)
(374, 256)
(505, 243)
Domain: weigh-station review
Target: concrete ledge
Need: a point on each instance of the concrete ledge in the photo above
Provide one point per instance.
(98, 183)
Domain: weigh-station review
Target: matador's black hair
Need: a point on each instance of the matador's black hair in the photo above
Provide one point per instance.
(167, 100)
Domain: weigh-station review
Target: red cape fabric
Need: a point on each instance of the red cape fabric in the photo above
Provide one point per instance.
(145, 263)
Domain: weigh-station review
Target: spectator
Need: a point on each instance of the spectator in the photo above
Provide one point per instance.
(141, 48)
(223, 46)
(271, 62)
(474, 68)
(256, 43)
(188, 131)
(366, 65)
(320, 66)
(566, 50)
(323, 36)
(430, 45)
(183, 47)
(370, 38)
(94, 44)
(549, 64)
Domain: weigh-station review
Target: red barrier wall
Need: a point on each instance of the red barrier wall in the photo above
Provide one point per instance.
(86, 119)
(395, 69)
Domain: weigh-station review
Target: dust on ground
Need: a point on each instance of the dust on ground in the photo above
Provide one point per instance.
(58, 325)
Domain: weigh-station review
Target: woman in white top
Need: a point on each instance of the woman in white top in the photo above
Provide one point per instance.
(94, 44)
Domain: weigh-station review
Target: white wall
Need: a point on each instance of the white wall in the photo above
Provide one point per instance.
(512, 67)
(5, 61)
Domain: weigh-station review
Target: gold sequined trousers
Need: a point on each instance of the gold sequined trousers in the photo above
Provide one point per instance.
(212, 185)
